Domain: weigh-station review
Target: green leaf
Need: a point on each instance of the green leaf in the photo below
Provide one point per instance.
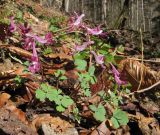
(93, 80)
(53, 28)
(18, 79)
(87, 92)
(103, 52)
(121, 116)
(91, 70)
(59, 91)
(102, 93)
(120, 48)
(26, 63)
(58, 100)
(41, 95)
(60, 108)
(109, 58)
(52, 95)
(85, 85)
(100, 112)
(115, 122)
(48, 50)
(101, 109)
(81, 64)
(19, 15)
(93, 107)
(99, 116)
(62, 72)
(44, 87)
(82, 55)
(115, 101)
(112, 94)
(59, 72)
(63, 78)
(87, 77)
(66, 101)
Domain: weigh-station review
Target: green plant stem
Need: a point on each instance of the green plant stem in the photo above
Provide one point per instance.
(61, 29)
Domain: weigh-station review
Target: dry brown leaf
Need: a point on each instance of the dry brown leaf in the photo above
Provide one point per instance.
(147, 125)
(4, 97)
(31, 17)
(101, 129)
(62, 56)
(134, 70)
(57, 124)
(9, 105)
(18, 51)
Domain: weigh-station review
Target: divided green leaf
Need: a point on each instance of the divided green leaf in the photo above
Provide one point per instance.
(119, 118)
(41, 95)
(81, 64)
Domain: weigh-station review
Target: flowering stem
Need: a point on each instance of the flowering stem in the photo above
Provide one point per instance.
(61, 29)
(90, 59)
(70, 33)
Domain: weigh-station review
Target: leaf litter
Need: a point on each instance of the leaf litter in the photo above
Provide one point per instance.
(73, 92)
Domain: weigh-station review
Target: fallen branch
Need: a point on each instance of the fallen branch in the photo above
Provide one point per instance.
(146, 89)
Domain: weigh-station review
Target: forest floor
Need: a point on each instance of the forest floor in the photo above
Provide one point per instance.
(58, 76)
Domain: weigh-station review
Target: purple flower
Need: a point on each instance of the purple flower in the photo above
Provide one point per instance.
(99, 59)
(28, 43)
(35, 65)
(24, 28)
(37, 38)
(78, 19)
(75, 21)
(103, 35)
(117, 76)
(49, 38)
(79, 48)
(12, 26)
(94, 31)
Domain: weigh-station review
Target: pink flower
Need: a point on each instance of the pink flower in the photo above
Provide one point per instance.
(94, 31)
(35, 65)
(24, 28)
(27, 43)
(75, 21)
(78, 19)
(49, 38)
(103, 35)
(99, 59)
(12, 26)
(79, 48)
(117, 76)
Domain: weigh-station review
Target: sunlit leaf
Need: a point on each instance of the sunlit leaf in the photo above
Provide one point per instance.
(91, 70)
(66, 101)
(93, 107)
(115, 122)
(81, 64)
(41, 95)
(60, 108)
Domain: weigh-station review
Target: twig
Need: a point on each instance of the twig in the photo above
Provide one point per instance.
(153, 61)
(146, 89)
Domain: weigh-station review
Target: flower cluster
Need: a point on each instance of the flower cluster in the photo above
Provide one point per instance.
(76, 22)
(29, 42)
(29, 39)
